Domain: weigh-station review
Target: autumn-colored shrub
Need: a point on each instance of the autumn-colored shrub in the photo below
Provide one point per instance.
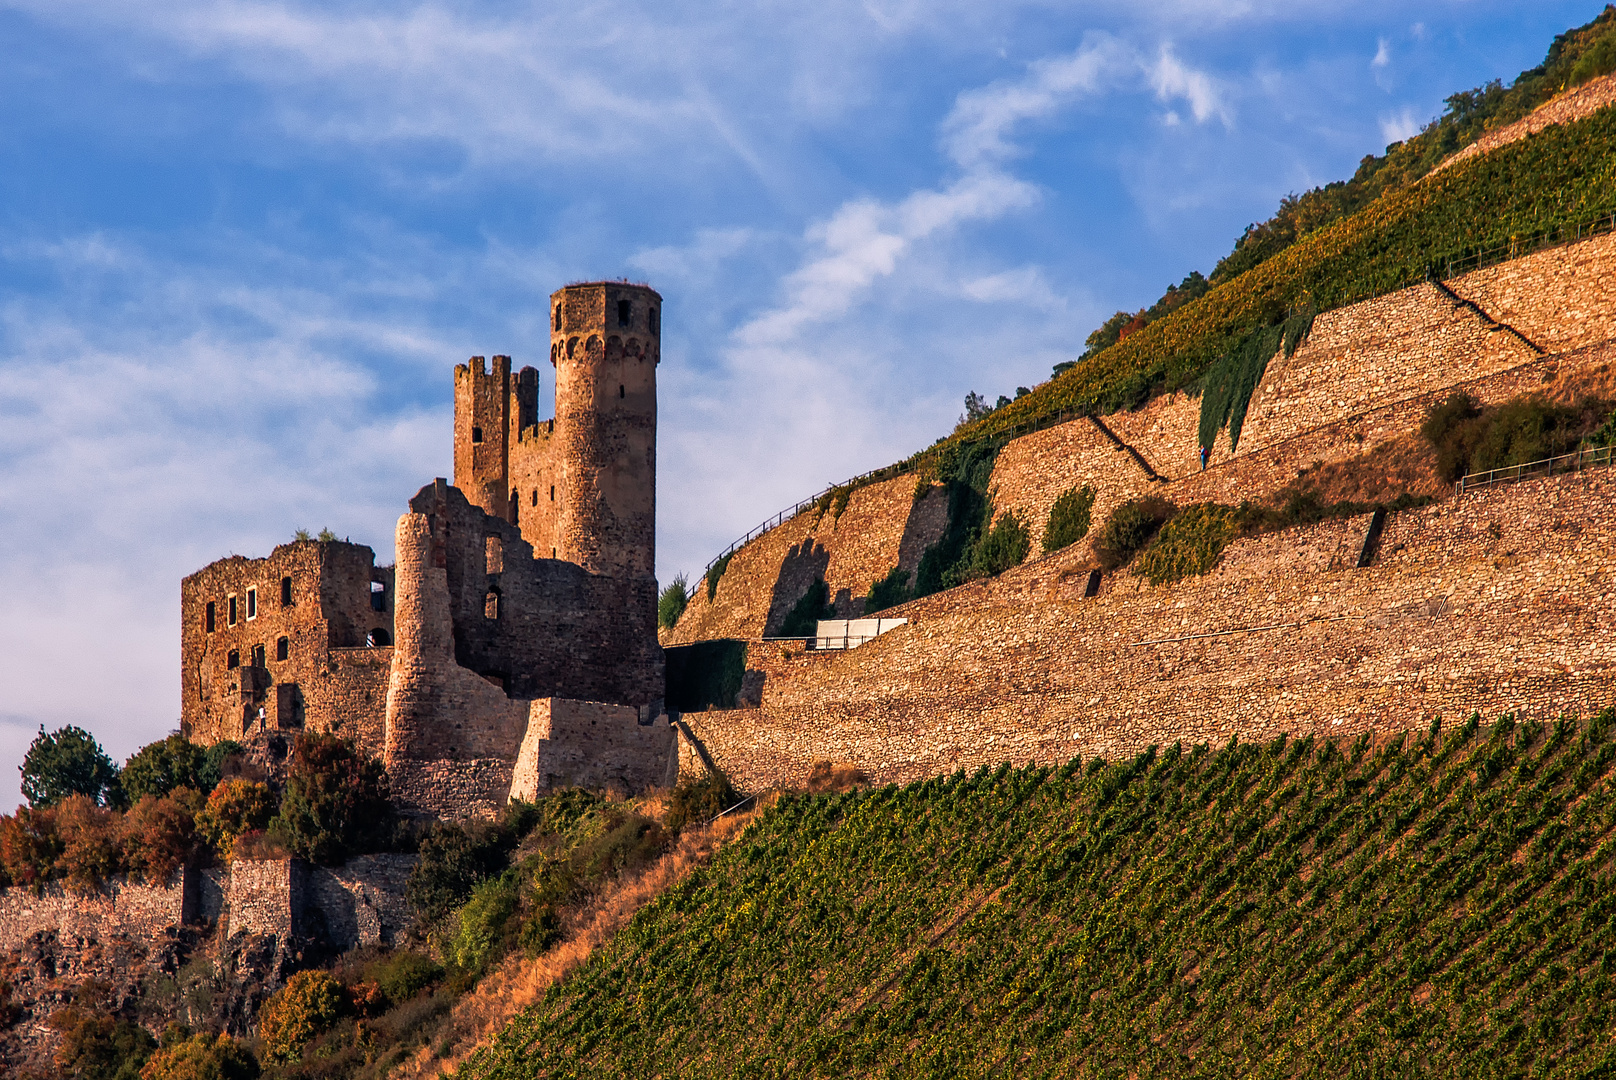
(91, 852)
(235, 808)
(699, 801)
(159, 834)
(259, 846)
(30, 846)
(202, 1057)
(306, 1007)
(95, 1045)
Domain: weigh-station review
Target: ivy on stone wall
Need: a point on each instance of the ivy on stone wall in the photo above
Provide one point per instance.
(1233, 377)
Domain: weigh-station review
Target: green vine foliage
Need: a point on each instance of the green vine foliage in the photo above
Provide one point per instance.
(1000, 548)
(1069, 518)
(889, 592)
(714, 573)
(803, 618)
(1434, 904)
(1563, 175)
(1188, 545)
(1233, 377)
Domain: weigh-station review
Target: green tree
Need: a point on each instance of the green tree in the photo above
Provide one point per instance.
(890, 591)
(95, 1046)
(160, 767)
(66, 762)
(1001, 547)
(672, 601)
(803, 618)
(336, 802)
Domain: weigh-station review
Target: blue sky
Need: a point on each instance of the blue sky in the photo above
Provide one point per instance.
(242, 243)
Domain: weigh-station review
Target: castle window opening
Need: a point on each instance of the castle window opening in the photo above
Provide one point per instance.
(232, 660)
(491, 604)
(653, 314)
(535, 496)
(558, 319)
(258, 656)
(552, 493)
(208, 619)
(252, 603)
(230, 616)
(624, 310)
(283, 648)
(378, 596)
(378, 639)
(494, 554)
(620, 391)
(516, 506)
(476, 434)
(286, 592)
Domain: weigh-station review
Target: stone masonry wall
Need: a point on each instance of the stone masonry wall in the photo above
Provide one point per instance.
(1563, 298)
(594, 745)
(883, 526)
(1250, 475)
(224, 683)
(1366, 355)
(122, 908)
(1501, 601)
(1033, 471)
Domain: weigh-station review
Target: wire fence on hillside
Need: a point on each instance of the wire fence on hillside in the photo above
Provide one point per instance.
(1593, 457)
(1520, 246)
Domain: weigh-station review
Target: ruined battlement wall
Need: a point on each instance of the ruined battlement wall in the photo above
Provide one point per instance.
(594, 745)
(359, 903)
(122, 908)
(883, 526)
(1500, 601)
(260, 638)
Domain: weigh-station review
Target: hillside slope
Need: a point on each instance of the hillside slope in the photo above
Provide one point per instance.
(1429, 905)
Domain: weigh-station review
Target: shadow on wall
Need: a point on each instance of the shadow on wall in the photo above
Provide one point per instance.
(804, 564)
(707, 674)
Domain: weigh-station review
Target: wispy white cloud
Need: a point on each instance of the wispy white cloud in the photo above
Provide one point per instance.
(1383, 54)
(1399, 126)
(1173, 79)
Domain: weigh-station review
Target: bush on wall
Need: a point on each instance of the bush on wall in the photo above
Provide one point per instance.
(1189, 544)
(1130, 527)
(1069, 518)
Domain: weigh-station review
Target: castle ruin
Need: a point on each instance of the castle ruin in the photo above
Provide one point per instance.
(515, 639)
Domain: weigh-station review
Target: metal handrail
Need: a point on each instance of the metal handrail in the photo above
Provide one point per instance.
(1587, 458)
(901, 469)
(1521, 246)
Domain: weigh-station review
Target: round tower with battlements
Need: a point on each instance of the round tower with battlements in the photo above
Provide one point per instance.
(605, 343)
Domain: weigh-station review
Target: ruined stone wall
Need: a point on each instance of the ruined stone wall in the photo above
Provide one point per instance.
(120, 909)
(482, 425)
(538, 627)
(593, 745)
(533, 479)
(1165, 431)
(358, 903)
(1501, 601)
(265, 897)
(450, 733)
(233, 679)
(883, 526)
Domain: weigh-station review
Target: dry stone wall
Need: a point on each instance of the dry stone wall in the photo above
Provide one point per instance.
(1574, 105)
(1501, 601)
(592, 744)
(883, 526)
(1563, 298)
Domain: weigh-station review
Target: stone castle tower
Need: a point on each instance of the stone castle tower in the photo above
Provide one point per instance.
(515, 641)
(582, 487)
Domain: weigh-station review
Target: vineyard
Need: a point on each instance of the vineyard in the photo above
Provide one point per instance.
(1437, 904)
(1559, 179)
